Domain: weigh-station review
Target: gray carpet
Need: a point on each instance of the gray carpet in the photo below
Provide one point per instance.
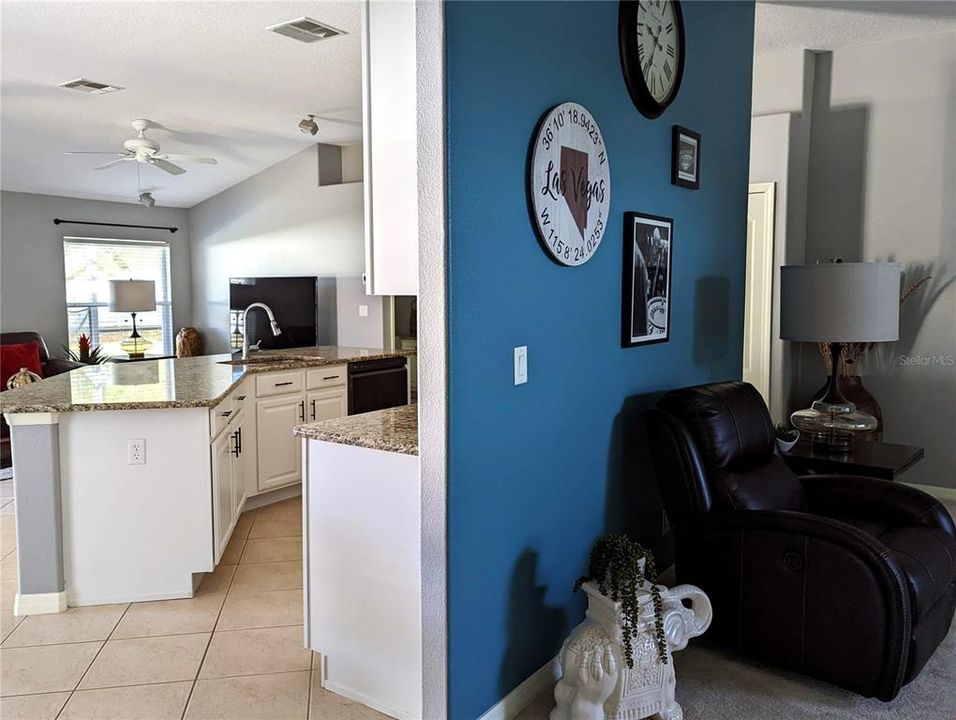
(713, 685)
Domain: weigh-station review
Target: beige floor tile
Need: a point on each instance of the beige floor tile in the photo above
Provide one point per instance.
(276, 549)
(8, 507)
(255, 652)
(8, 566)
(329, 706)
(32, 707)
(276, 526)
(8, 593)
(233, 551)
(244, 524)
(255, 697)
(286, 508)
(217, 581)
(170, 617)
(6, 489)
(47, 669)
(147, 660)
(244, 610)
(82, 624)
(258, 577)
(164, 701)
(8, 623)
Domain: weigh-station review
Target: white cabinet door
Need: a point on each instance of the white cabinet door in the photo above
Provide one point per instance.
(239, 464)
(327, 404)
(390, 131)
(223, 509)
(280, 456)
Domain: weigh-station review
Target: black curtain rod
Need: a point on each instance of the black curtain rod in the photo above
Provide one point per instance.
(58, 221)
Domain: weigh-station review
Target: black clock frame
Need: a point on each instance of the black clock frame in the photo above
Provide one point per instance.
(630, 62)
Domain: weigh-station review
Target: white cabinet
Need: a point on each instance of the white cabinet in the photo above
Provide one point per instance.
(391, 147)
(327, 404)
(280, 457)
(228, 482)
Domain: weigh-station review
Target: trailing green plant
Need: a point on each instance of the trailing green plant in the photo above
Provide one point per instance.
(88, 354)
(615, 567)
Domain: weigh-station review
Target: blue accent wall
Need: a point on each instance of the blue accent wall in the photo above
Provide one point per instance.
(530, 477)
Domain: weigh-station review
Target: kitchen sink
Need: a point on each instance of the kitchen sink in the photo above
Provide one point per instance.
(268, 360)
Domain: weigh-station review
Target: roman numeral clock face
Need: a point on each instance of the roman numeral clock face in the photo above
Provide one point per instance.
(651, 38)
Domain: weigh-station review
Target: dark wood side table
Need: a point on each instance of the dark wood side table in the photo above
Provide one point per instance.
(872, 459)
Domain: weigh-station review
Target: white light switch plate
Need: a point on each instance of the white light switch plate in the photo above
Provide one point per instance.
(521, 365)
(363, 310)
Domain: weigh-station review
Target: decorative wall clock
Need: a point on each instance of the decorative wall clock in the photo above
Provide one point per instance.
(651, 42)
(570, 184)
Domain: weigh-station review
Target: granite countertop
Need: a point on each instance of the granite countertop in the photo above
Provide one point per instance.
(191, 382)
(392, 430)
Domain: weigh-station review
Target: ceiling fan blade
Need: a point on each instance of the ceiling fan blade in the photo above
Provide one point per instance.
(191, 158)
(111, 163)
(165, 165)
(94, 152)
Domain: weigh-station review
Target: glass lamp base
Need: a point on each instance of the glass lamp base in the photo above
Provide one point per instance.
(833, 425)
(136, 346)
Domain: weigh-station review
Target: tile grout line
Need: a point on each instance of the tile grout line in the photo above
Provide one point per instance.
(202, 660)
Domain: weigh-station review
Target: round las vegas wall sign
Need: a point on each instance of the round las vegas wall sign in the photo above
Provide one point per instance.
(570, 184)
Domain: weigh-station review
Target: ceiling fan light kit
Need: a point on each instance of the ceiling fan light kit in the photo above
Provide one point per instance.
(146, 150)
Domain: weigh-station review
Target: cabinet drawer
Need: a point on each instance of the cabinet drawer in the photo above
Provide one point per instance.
(330, 376)
(279, 383)
(220, 416)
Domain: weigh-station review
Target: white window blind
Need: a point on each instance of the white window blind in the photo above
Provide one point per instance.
(89, 265)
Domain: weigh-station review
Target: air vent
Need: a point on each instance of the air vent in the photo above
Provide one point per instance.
(88, 86)
(306, 30)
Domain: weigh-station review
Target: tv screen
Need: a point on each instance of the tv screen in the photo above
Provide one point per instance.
(293, 302)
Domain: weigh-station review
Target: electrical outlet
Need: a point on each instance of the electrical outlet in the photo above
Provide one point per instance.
(363, 310)
(136, 451)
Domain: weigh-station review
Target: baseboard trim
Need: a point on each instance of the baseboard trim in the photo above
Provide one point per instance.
(527, 692)
(937, 491)
(358, 697)
(272, 496)
(39, 603)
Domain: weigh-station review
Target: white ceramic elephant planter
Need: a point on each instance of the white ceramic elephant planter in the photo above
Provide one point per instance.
(596, 682)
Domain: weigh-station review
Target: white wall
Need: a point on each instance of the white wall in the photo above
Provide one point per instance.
(883, 186)
(779, 150)
(280, 222)
(32, 285)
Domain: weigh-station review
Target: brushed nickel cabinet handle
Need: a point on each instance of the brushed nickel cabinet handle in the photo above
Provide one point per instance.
(283, 384)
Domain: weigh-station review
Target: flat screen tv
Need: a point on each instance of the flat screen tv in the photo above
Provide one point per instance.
(293, 301)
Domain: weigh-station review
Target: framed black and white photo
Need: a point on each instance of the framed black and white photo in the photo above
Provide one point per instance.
(646, 301)
(685, 158)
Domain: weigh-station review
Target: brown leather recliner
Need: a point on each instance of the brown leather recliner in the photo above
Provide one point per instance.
(847, 579)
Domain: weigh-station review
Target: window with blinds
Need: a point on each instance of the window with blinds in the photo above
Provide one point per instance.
(89, 266)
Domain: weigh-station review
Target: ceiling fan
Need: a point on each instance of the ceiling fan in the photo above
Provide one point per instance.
(143, 149)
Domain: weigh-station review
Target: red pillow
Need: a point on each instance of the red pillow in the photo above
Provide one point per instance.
(16, 356)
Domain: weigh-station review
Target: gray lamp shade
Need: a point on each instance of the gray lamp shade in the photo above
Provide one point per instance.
(840, 302)
(132, 295)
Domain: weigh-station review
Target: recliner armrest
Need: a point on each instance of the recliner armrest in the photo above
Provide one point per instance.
(56, 366)
(874, 499)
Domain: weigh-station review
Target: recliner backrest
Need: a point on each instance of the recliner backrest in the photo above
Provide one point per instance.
(714, 449)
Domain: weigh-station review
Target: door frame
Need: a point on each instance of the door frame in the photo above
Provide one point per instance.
(765, 280)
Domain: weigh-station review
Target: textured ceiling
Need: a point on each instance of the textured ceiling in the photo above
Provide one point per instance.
(209, 73)
(822, 25)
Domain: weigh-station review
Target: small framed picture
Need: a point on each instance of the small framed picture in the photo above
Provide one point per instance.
(685, 158)
(646, 301)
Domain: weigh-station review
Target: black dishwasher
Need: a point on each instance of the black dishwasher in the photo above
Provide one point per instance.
(377, 384)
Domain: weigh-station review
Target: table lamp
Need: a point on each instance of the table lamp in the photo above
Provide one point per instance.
(133, 296)
(835, 303)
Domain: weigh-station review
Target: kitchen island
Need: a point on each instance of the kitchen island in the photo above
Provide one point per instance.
(362, 557)
(130, 477)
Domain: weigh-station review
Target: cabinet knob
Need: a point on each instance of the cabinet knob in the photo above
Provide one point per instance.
(226, 413)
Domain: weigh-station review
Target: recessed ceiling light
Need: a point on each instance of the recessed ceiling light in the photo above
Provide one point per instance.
(306, 30)
(88, 86)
